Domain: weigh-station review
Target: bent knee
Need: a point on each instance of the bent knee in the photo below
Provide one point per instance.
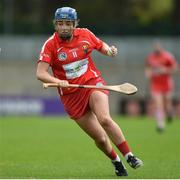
(106, 121)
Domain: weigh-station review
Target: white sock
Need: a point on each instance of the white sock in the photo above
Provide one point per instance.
(129, 153)
(160, 118)
(117, 159)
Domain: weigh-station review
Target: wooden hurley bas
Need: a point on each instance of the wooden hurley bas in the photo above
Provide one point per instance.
(125, 88)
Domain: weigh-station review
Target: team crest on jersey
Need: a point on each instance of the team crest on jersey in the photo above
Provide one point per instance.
(62, 56)
(85, 48)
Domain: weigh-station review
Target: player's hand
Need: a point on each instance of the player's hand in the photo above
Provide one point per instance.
(112, 51)
(63, 83)
(148, 72)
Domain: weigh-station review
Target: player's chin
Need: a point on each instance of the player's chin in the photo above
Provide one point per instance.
(65, 36)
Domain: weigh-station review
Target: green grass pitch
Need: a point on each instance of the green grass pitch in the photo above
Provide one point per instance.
(55, 147)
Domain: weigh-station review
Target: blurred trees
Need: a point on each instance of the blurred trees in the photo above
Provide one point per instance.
(176, 17)
(120, 17)
(152, 10)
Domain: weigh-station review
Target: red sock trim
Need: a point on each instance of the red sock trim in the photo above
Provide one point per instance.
(123, 148)
(112, 155)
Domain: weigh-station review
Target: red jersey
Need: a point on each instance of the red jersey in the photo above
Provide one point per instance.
(161, 82)
(71, 60)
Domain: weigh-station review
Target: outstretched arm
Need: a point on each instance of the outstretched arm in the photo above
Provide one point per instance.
(108, 50)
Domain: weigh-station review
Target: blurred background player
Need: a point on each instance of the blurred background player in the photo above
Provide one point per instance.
(68, 51)
(160, 65)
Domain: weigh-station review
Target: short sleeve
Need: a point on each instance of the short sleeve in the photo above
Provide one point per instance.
(46, 53)
(98, 43)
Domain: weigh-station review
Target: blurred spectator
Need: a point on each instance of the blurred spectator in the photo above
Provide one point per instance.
(133, 108)
(177, 109)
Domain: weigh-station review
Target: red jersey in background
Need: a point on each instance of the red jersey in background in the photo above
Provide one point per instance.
(161, 82)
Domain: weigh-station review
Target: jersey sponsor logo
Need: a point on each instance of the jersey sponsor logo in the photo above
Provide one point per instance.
(76, 69)
(62, 56)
